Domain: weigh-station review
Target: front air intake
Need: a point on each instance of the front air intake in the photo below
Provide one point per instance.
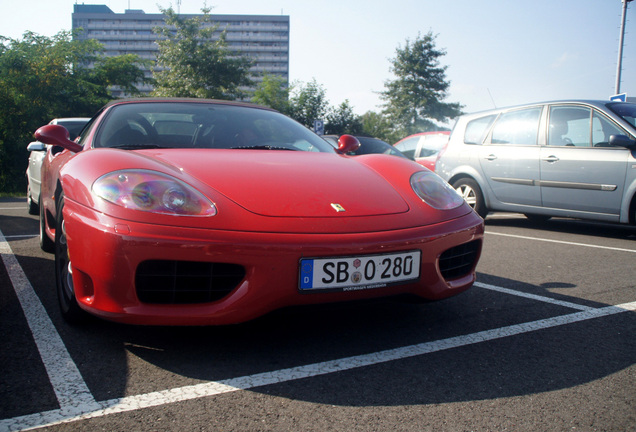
(185, 282)
(459, 260)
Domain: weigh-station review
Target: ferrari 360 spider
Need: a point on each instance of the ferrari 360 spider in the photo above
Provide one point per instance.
(199, 212)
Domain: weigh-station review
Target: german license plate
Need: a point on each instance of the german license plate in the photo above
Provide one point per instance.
(359, 272)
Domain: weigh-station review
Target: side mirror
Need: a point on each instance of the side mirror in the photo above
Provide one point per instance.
(347, 144)
(58, 136)
(622, 141)
(36, 146)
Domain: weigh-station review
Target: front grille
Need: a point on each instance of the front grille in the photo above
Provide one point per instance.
(459, 260)
(185, 282)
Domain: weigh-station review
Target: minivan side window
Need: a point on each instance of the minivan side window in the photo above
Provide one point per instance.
(519, 127)
(477, 129)
(569, 126)
(602, 128)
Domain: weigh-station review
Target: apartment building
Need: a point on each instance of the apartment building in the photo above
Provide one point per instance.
(265, 38)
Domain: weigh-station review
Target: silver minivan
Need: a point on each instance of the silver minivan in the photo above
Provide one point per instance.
(564, 158)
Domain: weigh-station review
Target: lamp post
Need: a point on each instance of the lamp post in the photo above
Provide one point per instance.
(620, 48)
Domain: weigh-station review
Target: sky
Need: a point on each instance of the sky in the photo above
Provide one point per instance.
(498, 52)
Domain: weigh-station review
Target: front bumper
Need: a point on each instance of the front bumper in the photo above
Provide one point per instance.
(106, 253)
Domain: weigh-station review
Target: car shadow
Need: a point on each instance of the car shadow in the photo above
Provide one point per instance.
(564, 225)
(19, 224)
(138, 360)
(13, 200)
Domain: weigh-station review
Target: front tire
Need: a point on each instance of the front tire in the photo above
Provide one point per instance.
(471, 192)
(71, 312)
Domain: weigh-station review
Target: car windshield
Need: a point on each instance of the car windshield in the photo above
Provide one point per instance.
(627, 111)
(143, 125)
(374, 145)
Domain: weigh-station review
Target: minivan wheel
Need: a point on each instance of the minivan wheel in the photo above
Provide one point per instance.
(471, 192)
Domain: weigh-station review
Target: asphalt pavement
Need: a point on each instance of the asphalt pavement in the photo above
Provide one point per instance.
(544, 341)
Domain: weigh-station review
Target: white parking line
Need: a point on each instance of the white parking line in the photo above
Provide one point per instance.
(70, 389)
(77, 403)
(21, 236)
(562, 242)
(506, 216)
(533, 296)
(13, 208)
(132, 403)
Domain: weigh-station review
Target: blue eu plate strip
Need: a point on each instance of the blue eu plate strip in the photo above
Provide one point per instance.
(306, 274)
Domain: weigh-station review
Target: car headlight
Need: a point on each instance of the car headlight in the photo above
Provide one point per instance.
(153, 192)
(434, 191)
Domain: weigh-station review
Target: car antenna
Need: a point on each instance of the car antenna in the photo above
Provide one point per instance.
(491, 98)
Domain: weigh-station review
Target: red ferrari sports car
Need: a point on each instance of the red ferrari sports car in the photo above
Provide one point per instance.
(200, 212)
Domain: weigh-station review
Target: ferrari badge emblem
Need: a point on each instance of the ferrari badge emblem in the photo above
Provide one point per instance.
(337, 207)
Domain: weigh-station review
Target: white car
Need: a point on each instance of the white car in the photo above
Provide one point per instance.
(74, 125)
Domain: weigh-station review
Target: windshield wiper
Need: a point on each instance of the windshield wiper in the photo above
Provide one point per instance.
(136, 147)
(261, 147)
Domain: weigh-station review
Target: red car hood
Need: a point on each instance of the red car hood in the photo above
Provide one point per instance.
(289, 183)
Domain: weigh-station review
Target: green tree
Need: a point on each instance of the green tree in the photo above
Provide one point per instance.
(192, 62)
(414, 99)
(342, 120)
(121, 71)
(308, 103)
(378, 125)
(46, 77)
(273, 92)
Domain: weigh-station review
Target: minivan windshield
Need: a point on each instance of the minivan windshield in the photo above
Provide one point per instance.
(627, 111)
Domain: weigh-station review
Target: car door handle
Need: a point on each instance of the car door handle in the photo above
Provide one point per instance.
(551, 159)
(491, 157)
